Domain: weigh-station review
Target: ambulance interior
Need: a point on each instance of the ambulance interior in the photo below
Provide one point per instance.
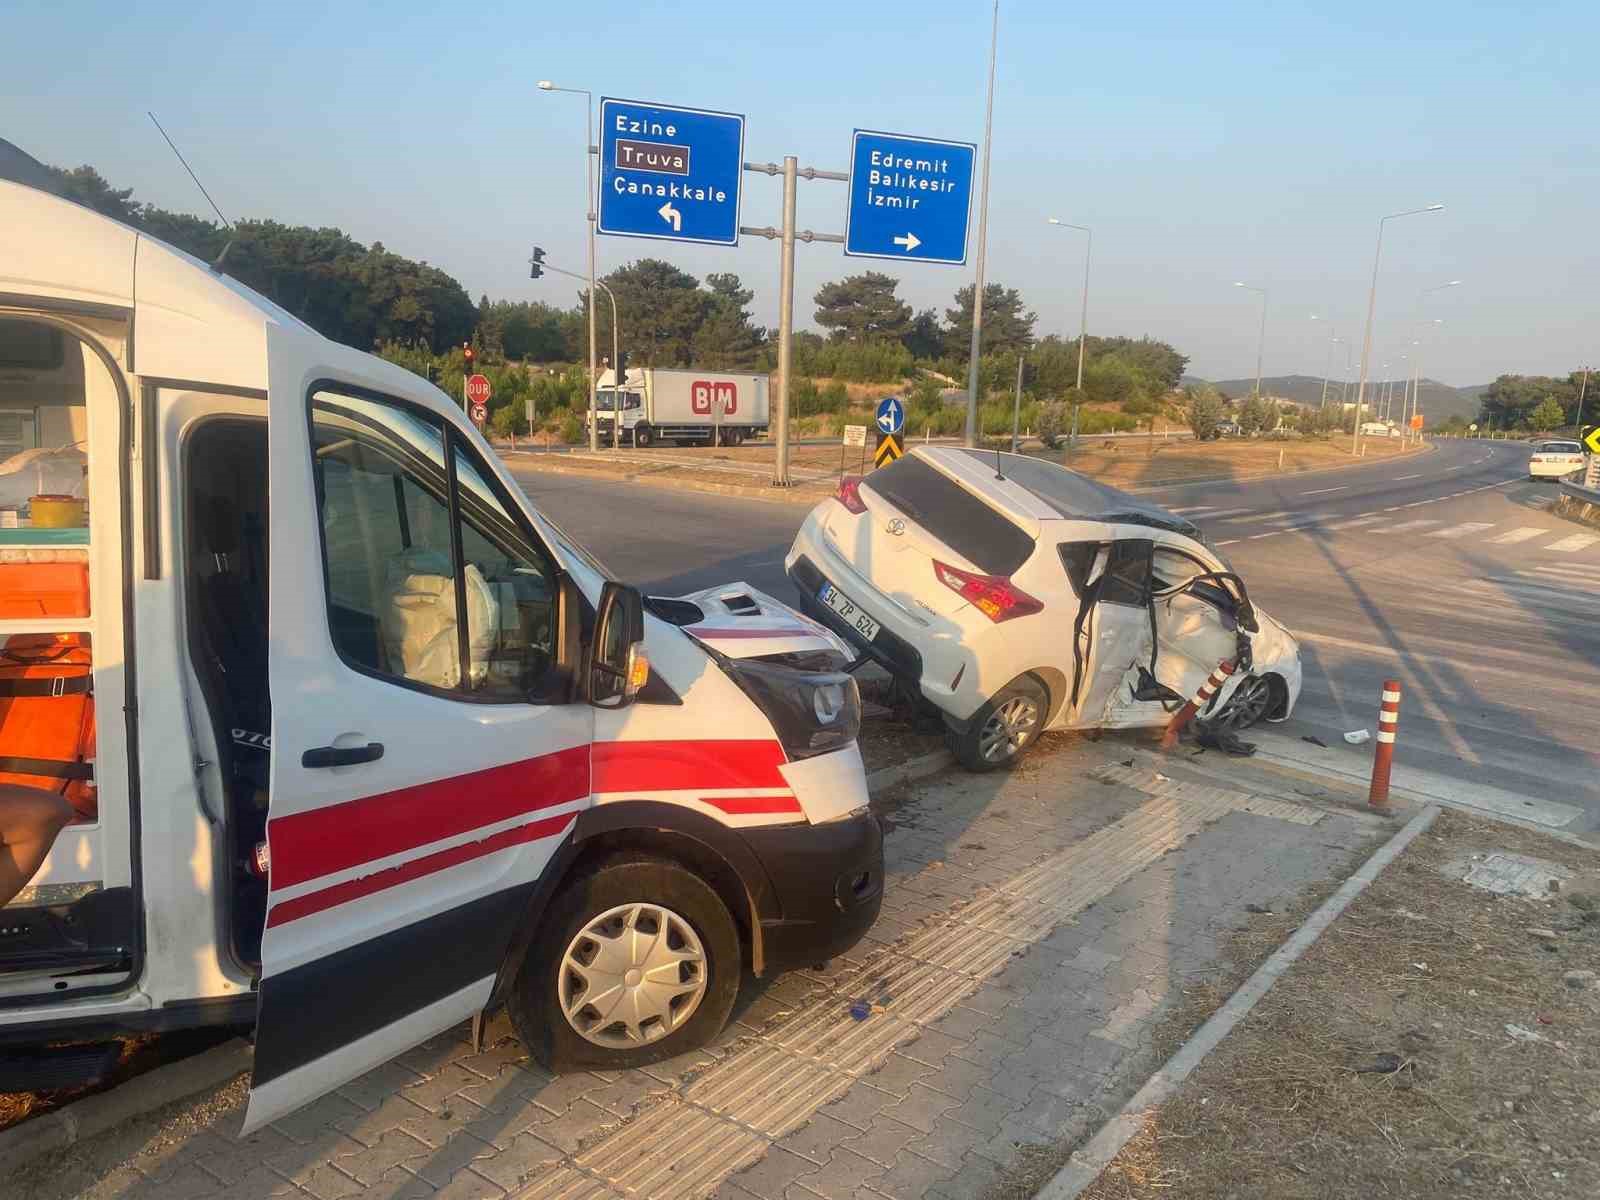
(74, 913)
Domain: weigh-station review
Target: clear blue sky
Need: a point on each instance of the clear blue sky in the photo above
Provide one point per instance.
(1204, 144)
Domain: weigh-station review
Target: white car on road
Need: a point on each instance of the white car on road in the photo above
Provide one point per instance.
(1555, 459)
(1017, 596)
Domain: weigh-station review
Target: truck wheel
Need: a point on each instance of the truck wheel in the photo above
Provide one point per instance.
(639, 961)
(732, 437)
(1003, 729)
(642, 435)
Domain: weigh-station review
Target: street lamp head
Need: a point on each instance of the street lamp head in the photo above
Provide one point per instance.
(1239, 283)
(1053, 220)
(545, 85)
(1434, 207)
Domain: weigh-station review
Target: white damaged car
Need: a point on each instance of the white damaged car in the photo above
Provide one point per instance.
(1016, 597)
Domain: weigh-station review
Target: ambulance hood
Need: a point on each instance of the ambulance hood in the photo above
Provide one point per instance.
(739, 621)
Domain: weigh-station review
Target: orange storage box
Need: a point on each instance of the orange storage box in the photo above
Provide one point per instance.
(30, 590)
(47, 716)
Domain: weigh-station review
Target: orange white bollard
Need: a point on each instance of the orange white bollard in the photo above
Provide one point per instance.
(1184, 715)
(1383, 758)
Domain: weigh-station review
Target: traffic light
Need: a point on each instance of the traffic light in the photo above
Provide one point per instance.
(536, 263)
(621, 377)
(470, 355)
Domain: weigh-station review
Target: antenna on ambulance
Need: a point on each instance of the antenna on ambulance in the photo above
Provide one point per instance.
(216, 264)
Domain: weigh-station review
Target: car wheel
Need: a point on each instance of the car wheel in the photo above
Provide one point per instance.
(642, 436)
(1251, 701)
(1004, 729)
(639, 961)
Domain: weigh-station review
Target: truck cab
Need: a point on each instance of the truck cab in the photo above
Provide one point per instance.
(359, 745)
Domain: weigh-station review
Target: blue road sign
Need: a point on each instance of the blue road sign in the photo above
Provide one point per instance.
(670, 173)
(891, 415)
(910, 198)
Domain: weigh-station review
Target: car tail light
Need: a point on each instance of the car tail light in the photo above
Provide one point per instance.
(849, 494)
(1537, 458)
(995, 596)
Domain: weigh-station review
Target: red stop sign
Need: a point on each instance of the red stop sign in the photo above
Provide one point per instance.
(478, 389)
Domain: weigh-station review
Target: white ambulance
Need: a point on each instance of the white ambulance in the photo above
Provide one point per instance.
(294, 808)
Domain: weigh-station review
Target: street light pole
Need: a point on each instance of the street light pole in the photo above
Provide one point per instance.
(983, 242)
(1261, 340)
(1372, 304)
(1083, 323)
(588, 178)
(1416, 334)
(1327, 367)
(616, 379)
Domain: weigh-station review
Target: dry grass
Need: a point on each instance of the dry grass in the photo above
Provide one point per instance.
(1381, 1065)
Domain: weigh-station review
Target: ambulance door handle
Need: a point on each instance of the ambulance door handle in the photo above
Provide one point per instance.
(342, 756)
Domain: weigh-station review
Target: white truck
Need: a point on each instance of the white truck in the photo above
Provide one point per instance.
(662, 404)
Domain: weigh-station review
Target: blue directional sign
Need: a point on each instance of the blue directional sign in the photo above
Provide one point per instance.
(910, 198)
(891, 415)
(670, 173)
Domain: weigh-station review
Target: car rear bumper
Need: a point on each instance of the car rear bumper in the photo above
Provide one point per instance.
(1553, 470)
(888, 649)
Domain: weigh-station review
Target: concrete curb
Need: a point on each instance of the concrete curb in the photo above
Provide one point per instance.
(95, 1114)
(771, 495)
(1086, 1164)
(794, 495)
(914, 768)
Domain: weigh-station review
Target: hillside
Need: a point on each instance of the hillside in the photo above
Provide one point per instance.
(1439, 400)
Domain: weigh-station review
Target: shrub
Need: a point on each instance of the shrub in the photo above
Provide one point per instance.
(835, 398)
(572, 429)
(1055, 422)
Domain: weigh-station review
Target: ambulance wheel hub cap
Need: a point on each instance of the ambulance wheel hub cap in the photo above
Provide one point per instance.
(632, 975)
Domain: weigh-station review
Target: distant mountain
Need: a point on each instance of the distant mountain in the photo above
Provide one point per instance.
(1439, 400)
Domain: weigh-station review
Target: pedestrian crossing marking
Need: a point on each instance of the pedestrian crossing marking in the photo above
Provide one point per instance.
(1358, 521)
(1576, 542)
(1463, 529)
(1405, 525)
(1517, 535)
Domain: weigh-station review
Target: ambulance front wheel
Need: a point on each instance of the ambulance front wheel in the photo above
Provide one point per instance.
(639, 961)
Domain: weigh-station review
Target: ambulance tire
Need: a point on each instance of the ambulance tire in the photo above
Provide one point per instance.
(622, 879)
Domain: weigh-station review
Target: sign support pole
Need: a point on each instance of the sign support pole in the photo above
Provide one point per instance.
(789, 235)
(780, 476)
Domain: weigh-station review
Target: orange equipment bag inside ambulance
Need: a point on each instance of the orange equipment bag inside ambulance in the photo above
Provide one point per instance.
(46, 700)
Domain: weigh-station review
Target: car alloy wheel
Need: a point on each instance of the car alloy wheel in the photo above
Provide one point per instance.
(1009, 729)
(1248, 704)
(632, 975)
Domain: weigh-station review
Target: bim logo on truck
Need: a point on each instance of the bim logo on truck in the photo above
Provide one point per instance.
(704, 393)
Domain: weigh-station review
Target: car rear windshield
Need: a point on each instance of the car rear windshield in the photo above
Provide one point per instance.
(1560, 448)
(953, 515)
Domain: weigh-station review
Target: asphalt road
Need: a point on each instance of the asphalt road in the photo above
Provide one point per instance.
(1444, 570)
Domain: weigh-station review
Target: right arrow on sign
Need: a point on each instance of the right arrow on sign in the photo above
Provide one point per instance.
(911, 241)
(672, 216)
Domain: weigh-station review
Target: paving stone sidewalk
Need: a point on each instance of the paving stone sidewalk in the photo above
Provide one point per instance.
(1037, 927)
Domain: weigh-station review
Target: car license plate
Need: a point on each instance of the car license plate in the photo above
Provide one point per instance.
(850, 611)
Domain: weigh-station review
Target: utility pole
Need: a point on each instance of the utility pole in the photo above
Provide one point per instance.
(1016, 406)
(1372, 304)
(983, 243)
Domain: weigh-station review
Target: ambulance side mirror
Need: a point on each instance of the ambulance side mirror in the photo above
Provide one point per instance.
(614, 662)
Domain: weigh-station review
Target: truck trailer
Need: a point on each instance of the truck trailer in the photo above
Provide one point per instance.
(662, 404)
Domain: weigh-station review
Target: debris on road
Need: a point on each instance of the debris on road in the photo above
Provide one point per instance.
(1357, 737)
(1512, 874)
(1314, 740)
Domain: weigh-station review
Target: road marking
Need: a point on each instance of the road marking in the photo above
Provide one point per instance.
(1422, 524)
(1357, 521)
(1229, 542)
(1570, 571)
(1517, 535)
(1576, 542)
(1299, 521)
(727, 1117)
(1463, 529)
(1321, 491)
(1403, 478)
(1282, 512)
(1191, 508)
(1224, 513)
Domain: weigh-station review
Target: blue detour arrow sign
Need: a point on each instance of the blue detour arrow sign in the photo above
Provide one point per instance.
(670, 173)
(910, 198)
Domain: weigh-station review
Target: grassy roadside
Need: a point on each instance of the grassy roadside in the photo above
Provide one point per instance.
(1430, 1044)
